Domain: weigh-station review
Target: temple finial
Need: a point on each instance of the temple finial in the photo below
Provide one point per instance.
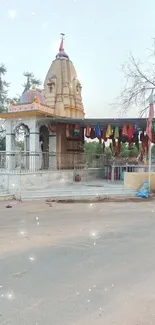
(61, 48)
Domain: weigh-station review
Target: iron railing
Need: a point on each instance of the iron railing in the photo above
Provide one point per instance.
(116, 172)
(81, 163)
(26, 161)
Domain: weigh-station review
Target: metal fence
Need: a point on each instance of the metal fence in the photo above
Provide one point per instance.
(25, 161)
(111, 173)
(115, 173)
(87, 166)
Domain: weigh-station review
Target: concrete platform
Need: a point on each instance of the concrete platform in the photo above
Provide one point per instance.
(6, 197)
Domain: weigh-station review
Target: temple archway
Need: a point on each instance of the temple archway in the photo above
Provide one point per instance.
(44, 146)
(22, 145)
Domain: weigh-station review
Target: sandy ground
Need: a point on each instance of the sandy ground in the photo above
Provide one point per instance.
(77, 264)
(41, 223)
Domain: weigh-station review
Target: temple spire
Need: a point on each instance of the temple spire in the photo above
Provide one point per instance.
(61, 48)
(62, 53)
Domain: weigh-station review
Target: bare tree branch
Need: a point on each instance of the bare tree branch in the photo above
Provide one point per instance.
(139, 79)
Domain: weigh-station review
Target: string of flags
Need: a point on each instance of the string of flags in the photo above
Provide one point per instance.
(128, 133)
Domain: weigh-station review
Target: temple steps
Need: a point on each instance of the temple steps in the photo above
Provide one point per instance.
(5, 195)
(77, 192)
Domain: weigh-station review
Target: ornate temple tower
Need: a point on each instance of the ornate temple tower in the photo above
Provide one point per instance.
(62, 88)
(62, 91)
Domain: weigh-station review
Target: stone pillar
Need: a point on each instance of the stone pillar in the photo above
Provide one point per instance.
(113, 174)
(26, 151)
(10, 154)
(52, 150)
(59, 148)
(34, 158)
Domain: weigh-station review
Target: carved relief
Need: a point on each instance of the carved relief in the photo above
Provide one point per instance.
(51, 83)
(78, 87)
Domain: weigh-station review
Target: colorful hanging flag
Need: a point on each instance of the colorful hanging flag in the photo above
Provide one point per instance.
(51, 128)
(92, 134)
(116, 132)
(124, 130)
(150, 117)
(109, 131)
(136, 129)
(130, 131)
(98, 131)
(77, 130)
(88, 130)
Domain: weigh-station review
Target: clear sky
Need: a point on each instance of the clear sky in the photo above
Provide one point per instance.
(99, 36)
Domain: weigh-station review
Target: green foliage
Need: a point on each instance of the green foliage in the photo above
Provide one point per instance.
(3, 89)
(20, 145)
(134, 151)
(153, 151)
(108, 153)
(15, 99)
(124, 150)
(2, 144)
(93, 148)
(31, 81)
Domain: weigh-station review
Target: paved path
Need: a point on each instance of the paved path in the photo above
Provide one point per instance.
(80, 264)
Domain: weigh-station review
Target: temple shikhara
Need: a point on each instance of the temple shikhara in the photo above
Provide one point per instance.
(54, 126)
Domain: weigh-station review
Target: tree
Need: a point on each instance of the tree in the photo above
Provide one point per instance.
(31, 80)
(127, 151)
(3, 89)
(108, 153)
(3, 104)
(124, 150)
(93, 148)
(139, 80)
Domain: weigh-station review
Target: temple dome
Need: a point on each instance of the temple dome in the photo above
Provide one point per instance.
(62, 88)
(32, 95)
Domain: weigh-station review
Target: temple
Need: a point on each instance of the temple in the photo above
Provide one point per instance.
(61, 97)
(54, 127)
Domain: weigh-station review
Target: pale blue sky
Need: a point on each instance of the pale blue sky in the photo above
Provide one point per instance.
(99, 36)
